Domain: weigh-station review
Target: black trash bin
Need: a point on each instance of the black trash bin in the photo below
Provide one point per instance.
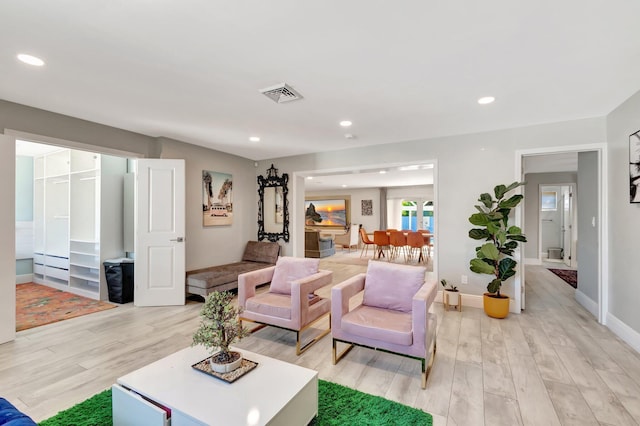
(119, 276)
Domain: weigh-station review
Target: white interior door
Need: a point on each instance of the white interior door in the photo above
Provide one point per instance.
(7, 245)
(160, 229)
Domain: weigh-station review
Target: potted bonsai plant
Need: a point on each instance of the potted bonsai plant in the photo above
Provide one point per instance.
(495, 256)
(219, 328)
(452, 297)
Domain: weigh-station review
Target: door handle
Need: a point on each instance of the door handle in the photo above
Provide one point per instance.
(179, 239)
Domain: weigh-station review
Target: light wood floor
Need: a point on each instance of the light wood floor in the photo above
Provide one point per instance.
(553, 364)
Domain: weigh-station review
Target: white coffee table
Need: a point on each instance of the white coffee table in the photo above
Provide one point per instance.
(274, 393)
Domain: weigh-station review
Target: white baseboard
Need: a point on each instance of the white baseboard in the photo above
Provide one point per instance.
(623, 331)
(587, 303)
(532, 261)
(26, 278)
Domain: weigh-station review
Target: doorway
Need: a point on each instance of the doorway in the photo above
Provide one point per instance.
(591, 224)
(557, 225)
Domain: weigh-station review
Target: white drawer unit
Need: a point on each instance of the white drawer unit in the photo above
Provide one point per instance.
(60, 274)
(57, 262)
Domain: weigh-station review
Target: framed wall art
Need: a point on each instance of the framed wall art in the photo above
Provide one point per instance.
(217, 199)
(329, 212)
(367, 207)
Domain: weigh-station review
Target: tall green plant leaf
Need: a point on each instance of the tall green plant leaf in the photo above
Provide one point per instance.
(489, 251)
(520, 238)
(514, 230)
(506, 268)
(511, 202)
(481, 267)
(478, 234)
(479, 219)
(514, 185)
(486, 200)
(500, 190)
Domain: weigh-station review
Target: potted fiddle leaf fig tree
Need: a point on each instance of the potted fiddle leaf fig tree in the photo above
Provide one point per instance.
(219, 328)
(495, 256)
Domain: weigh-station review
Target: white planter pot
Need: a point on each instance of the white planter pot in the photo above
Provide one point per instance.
(226, 368)
(454, 297)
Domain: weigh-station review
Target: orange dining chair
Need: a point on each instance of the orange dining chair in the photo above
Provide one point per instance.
(366, 242)
(415, 241)
(428, 243)
(397, 242)
(381, 239)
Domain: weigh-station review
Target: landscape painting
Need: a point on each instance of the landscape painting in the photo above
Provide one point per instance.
(326, 212)
(217, 200)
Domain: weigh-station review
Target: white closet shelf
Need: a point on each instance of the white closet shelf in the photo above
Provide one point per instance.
(84, 253)
(86, 277)
(84, 265)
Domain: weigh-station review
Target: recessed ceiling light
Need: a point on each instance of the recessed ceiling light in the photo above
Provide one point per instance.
(486, 100)
(345, 123)
(309, 177)
(31, 60)
(254, 139)
(383, 172)
(344, 186)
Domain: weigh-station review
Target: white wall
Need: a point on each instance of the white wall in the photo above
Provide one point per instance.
(466, 166)
(624, 217)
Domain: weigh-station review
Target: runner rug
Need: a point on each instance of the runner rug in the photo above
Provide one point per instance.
(568, 275)
(39, 305)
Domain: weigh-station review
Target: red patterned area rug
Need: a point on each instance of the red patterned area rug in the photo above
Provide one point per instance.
(568, 275)
(39, 305)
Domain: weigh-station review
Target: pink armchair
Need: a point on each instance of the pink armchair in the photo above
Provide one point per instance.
(290, 302)
(394, 314)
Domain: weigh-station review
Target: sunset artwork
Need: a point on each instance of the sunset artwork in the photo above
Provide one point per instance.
(326, 212)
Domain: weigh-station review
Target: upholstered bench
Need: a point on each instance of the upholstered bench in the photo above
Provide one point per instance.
(257, 255)
(11, 416)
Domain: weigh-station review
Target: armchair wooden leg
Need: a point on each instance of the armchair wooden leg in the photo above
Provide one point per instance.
(301, 348)
(337, 357)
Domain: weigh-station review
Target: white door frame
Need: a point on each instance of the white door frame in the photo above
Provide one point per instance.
(298, 189)
(603, 234)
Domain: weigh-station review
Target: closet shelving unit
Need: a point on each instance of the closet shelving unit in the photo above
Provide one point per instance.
(69, 193)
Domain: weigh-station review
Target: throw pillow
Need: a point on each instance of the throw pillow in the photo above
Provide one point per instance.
(290, 269)
(392, 286)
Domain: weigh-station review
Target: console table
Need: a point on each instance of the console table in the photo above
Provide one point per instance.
(274, 393)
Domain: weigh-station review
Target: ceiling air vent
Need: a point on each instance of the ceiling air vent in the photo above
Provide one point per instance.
(281, 93)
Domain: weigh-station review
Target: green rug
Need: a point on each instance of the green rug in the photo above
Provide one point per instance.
(337, 405)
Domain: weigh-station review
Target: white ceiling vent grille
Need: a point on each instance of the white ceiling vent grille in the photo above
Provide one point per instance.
(281, 93)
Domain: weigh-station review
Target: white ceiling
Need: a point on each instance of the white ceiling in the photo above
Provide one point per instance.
(406, 70)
